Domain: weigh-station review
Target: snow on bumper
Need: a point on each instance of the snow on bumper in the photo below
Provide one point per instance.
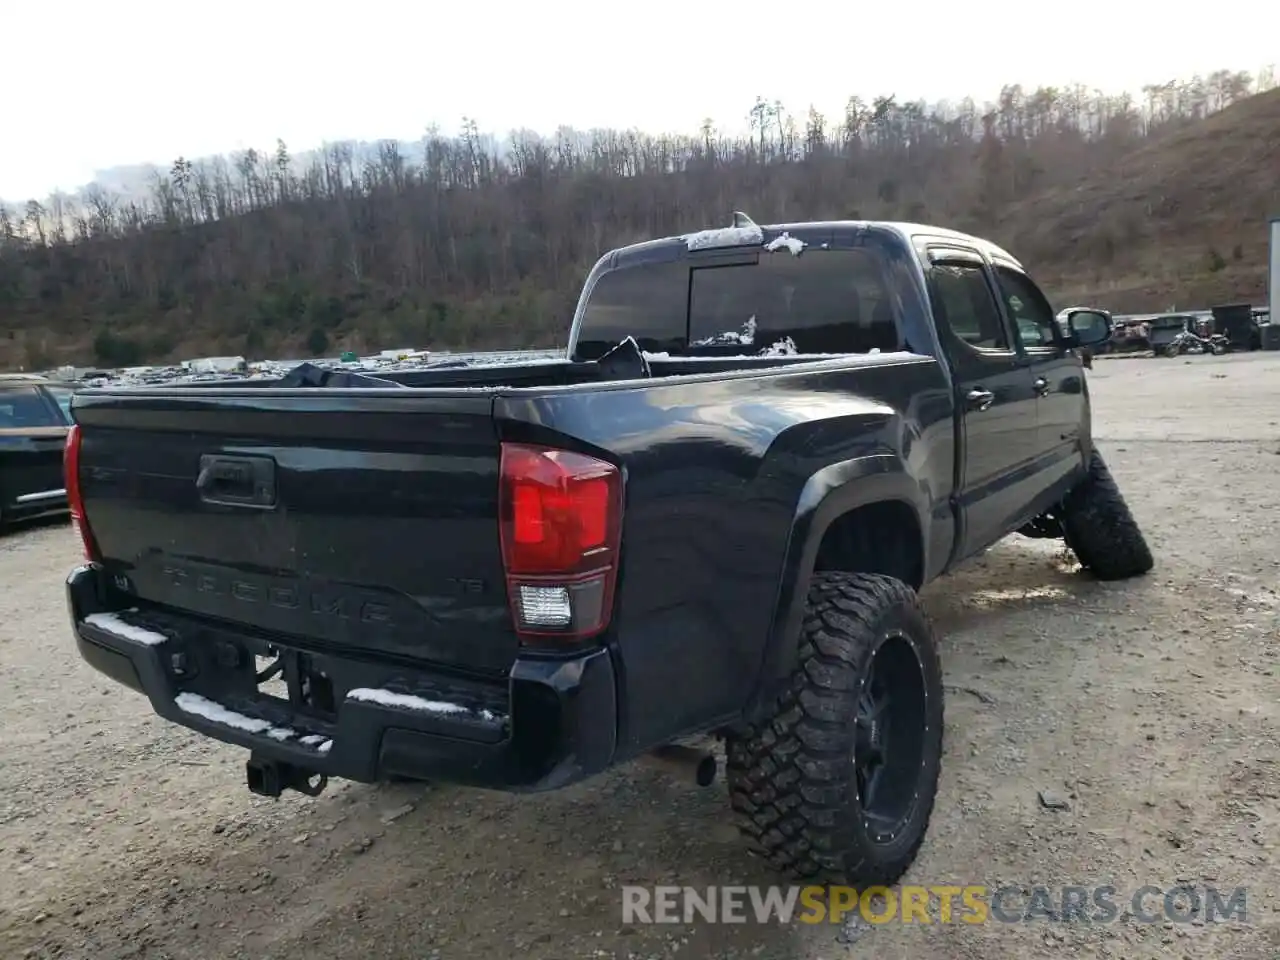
(392, 721)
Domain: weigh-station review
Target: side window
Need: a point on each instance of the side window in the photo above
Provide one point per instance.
(23, 407)
(647, 302)
(822, 301)
(963, 298)
(1028, 308)
(63, 398)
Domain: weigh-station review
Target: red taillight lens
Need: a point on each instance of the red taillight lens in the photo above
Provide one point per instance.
(75, 500)
(561, 526)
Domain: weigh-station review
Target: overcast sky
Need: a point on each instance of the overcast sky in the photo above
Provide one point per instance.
(88, 86)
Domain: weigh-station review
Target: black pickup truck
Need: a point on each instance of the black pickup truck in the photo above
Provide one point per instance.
(711, 517)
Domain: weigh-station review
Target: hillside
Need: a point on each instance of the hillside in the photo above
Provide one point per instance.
(1131, 206)
(1181, 219)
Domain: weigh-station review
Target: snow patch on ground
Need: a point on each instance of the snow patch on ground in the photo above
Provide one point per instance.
(113, 624)
(786, 240)
(724, 237)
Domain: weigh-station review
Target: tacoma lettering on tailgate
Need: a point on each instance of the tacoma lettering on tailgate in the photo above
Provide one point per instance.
(324, 603)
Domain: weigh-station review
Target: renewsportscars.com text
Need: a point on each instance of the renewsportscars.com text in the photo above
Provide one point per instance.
(973, 904)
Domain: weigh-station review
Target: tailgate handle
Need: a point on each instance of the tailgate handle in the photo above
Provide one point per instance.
(237, 481)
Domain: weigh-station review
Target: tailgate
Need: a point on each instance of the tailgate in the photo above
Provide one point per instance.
(362, 521)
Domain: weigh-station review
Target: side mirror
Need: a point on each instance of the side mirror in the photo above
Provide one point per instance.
(1088, 328)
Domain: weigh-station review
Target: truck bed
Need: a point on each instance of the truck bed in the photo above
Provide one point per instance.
(360, 519)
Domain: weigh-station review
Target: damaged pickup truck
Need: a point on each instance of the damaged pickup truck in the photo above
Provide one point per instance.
(711, 517)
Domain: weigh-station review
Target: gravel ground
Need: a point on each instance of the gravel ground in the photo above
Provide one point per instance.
(1149, 709)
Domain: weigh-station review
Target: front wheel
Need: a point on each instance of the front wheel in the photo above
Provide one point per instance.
(1172, 350)
(840, 780)
(1218, 349)
(1100, 528)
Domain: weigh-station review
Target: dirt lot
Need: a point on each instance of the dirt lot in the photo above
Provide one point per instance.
(1150, 707)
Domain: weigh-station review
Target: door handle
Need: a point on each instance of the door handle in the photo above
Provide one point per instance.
(1042, 386)
(980, 399)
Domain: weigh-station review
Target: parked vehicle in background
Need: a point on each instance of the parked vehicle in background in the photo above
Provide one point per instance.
(1129, 335)
(1166, 330)
(1188, 341)
(710, 516)
(34, 416)
(1238, 323)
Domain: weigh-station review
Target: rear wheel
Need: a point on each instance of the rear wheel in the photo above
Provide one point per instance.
(1100, 528)
(840, 781)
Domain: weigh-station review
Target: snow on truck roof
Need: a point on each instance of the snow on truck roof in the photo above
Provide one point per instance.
(744, 232)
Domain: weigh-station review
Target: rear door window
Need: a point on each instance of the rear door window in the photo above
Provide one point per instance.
(963, 301)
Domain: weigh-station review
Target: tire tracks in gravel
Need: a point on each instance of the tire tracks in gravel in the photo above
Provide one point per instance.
(1150, 705)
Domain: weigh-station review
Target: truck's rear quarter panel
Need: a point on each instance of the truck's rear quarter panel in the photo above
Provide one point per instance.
(714, 473)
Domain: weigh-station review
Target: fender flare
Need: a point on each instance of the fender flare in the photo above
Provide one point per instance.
(830, 493)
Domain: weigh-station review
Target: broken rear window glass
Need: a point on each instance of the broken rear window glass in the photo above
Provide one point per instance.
(820, 301)
(825, 301)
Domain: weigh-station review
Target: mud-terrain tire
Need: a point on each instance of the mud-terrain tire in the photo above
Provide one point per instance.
(795, 781)
(1101, 530)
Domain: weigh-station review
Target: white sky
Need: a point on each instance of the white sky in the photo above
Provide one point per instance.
(91, 85)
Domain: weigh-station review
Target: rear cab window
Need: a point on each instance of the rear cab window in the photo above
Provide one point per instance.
(25, 407)
(821, 301)
(649, 302)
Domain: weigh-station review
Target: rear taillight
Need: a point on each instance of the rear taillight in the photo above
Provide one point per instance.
(75, 500)
(561, 526)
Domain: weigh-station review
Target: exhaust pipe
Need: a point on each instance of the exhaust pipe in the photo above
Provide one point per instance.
(685, 761)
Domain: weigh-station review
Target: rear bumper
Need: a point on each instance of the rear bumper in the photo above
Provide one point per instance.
(550, 723)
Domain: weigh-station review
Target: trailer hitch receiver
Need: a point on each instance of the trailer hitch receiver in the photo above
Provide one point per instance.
(270, 778)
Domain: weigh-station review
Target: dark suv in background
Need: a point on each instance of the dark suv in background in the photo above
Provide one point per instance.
(34, 416)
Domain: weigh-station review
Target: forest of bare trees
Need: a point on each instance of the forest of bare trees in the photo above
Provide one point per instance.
(465, 242)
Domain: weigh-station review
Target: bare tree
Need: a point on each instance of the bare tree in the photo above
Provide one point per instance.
(462, 241)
